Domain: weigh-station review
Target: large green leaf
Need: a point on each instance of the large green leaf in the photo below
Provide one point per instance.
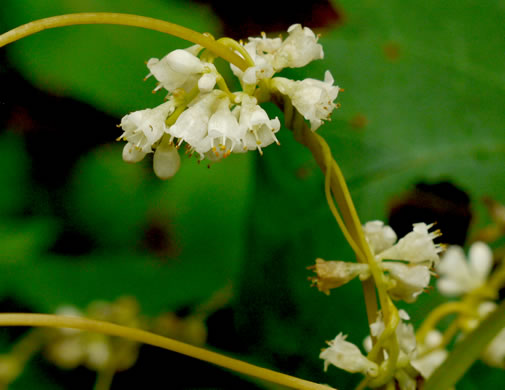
(13, 176)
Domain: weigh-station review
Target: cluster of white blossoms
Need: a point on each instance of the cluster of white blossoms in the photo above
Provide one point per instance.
(407, 263)
(458, 277)
(348, 356)
(69, 348)
(406, 266)
(211, 120)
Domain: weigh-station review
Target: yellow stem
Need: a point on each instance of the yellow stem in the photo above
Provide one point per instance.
(322, 154)
(437, 314)
(126, 20)
(234, 45)
(104, 378)
(56, 321)
(336, 214)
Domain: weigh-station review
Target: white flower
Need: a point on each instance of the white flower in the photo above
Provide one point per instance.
(347, 356)
(181, 69)
(224, 132)
(299, 48)
(144, 128)
(457, 276)
(312, 98)
(415, 247)
(404, 334)
(379, 236)
(258, 129)
(270, 55)
(192, 124)
(166, 160)
(409, 280)
(494, 354)
(333, 274)
(263, 68)
(132, 154)
(427, 363)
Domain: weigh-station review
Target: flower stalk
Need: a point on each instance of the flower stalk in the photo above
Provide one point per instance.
(204, 40)
(142, 336)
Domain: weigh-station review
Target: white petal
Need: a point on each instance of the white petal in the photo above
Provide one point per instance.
(379, 236)
(298, 49)
(430, 362)
(456, 277)
(181, 61)
(411, 280)
(481, 260)
(416, 247)
(347, 356)
(207, 82)
(312, 98)
(132, 154)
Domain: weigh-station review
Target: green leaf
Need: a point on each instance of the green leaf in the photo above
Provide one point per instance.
(48, 282)
(101, 65)
(23, 239)
(13, 175)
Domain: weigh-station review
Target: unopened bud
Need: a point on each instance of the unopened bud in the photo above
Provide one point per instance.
(166, 161)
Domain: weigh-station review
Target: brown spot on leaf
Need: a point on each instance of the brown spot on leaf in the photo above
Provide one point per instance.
(358, 121)
(159, 238)
(441, 202)
(392, 51)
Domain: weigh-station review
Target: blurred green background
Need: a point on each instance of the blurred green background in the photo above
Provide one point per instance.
(423, 105)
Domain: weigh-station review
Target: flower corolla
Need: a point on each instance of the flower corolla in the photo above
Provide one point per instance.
(413, 256)
(270, 55)
(428, 362)
(314, 99)
(333, 274)
(144, 128)
(459, 276)
(182, 69)
(347, 356)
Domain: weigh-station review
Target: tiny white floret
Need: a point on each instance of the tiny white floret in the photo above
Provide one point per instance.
(458, 276)
(347, 356)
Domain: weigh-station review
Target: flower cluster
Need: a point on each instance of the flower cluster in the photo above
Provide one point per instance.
(407, 263)
(213, 122)
(348, 357)
(69, 348)
(403, 271)
(470, 278)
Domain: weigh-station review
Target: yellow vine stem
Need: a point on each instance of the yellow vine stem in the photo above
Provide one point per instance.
(209, 43)
(57, 321)
(322, 154)
(438, 314)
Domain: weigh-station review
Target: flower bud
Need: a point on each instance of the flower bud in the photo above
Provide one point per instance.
(166, 161)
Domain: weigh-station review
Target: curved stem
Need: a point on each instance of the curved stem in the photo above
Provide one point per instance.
(467, 351)
(437, 314)
(56, 321)
(126, 20)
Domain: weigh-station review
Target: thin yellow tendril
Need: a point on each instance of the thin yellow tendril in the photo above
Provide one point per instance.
(34, 27)
(234, 45)
(56, 321)
(437, 314)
